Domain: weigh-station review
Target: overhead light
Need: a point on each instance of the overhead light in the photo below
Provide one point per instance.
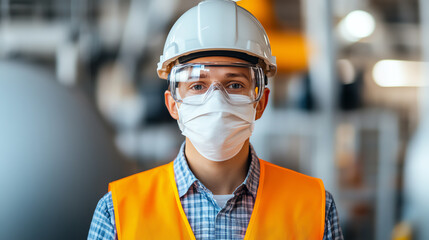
(398, 73)
(357, 25)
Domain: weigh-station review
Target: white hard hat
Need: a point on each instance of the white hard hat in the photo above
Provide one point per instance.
(217, 26)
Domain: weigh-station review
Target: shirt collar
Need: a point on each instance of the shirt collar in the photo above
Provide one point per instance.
(185, 178)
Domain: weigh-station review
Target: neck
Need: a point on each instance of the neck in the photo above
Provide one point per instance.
(220, 177)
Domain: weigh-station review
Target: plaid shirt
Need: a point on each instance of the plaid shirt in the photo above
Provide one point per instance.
(207, 219)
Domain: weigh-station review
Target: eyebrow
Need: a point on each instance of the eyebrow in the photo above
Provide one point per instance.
(230, 75)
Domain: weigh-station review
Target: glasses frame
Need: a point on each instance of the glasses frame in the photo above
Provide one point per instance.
(259, 75)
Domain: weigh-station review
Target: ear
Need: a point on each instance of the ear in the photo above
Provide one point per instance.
(262, 104)
(171, 105)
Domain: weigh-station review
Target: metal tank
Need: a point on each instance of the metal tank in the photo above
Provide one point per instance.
(56, 156)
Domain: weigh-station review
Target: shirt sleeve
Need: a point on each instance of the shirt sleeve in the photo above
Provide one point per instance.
(103, 222)
(332, 226)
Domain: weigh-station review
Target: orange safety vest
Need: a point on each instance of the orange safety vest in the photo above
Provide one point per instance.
(288, 205)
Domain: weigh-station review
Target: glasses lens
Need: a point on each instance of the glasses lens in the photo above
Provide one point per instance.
(192, 83)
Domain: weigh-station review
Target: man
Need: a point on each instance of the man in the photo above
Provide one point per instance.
(217, 59)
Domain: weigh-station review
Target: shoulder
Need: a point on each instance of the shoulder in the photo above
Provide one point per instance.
(332, 223)
(105, 203)
(329, 200)
(103, 221)
(105, 207)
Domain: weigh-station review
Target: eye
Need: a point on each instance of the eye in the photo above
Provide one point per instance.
(197, 87)
(235, 86)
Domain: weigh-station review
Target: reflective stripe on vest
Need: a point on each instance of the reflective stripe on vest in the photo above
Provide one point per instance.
(288, 205)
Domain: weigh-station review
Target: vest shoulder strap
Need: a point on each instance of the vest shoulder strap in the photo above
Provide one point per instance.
(289, 205)
(147, 206)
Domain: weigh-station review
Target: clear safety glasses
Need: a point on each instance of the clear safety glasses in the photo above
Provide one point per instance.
(194, 83)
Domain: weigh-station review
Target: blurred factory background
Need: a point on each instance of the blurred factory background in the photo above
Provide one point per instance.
(81, 105)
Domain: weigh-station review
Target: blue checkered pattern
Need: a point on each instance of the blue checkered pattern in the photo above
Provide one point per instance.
(207, 219)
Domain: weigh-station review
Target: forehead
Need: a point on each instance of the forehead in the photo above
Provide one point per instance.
(217, 59)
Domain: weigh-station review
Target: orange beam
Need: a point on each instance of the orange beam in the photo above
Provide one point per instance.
(289, 47)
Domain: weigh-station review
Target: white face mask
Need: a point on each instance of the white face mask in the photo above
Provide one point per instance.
(217, 129)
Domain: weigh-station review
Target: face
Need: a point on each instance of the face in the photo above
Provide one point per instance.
(234, 80)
